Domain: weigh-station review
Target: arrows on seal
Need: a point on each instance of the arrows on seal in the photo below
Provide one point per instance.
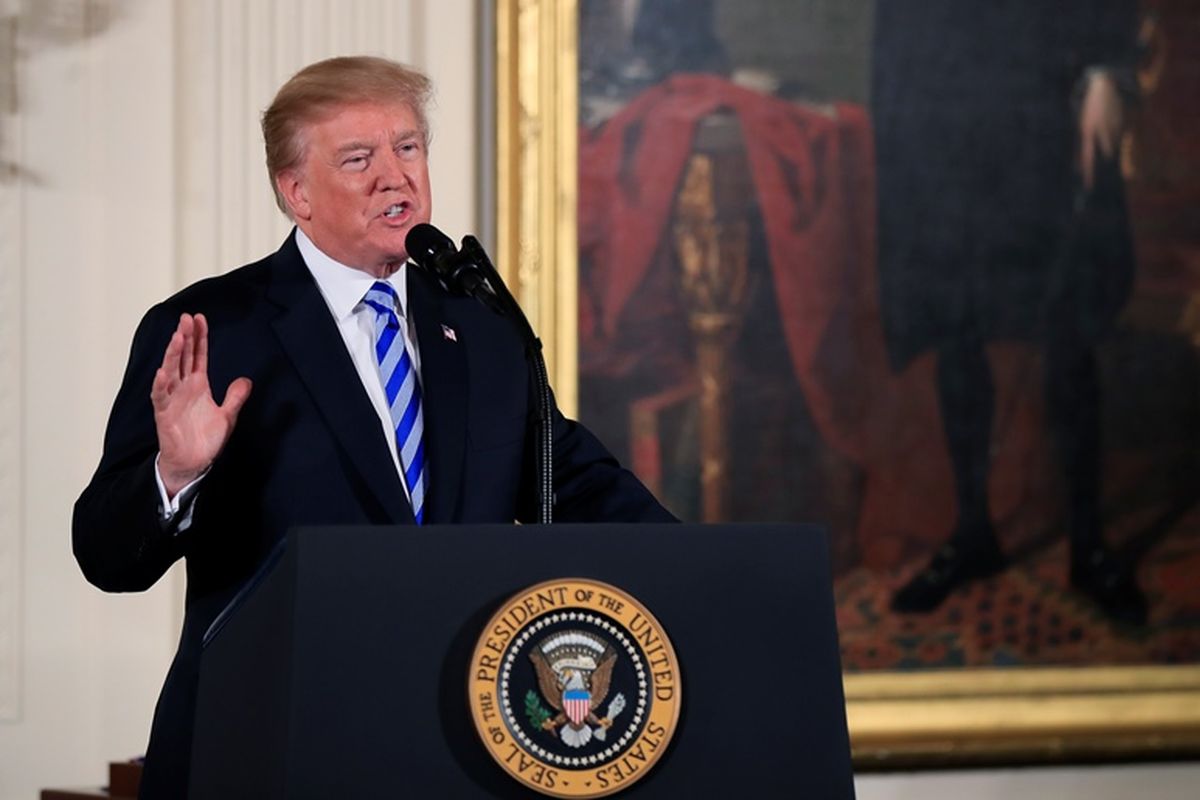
(614, 709)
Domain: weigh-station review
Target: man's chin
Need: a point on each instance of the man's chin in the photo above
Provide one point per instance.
(395, 243)
(392, 248)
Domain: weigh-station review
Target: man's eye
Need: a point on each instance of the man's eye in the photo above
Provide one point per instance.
(409, 148)
(355, 162)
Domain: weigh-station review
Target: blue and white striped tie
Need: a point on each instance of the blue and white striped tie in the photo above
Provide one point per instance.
(403, 392)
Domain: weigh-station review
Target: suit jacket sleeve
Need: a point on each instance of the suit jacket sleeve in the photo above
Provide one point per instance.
(117, 536)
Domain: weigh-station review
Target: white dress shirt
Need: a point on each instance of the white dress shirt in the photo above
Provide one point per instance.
(343, 289)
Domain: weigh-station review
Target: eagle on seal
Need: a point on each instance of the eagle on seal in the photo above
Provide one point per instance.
(574, 669)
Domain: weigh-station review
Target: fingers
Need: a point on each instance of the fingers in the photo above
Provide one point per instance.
(160, 389)
(187, 327)
(201, 364)
(235, 398)
(187, 352)
(172, 358)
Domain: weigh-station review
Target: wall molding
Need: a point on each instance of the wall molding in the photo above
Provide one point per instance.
(11, 388)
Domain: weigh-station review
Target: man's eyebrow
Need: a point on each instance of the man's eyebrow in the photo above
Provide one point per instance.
(351, 146)
(403, 136)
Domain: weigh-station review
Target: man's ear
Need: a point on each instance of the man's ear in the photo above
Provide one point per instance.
(294, 194)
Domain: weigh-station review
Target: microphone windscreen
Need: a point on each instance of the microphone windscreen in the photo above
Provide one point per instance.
(425, 242)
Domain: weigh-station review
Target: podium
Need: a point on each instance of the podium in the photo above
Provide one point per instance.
(342, 670)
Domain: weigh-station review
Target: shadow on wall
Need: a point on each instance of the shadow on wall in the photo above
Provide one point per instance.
(29, 28)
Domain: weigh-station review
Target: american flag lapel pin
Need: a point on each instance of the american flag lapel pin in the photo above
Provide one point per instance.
(449, 333)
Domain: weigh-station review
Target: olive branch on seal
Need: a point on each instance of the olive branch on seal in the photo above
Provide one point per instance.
(534, 709)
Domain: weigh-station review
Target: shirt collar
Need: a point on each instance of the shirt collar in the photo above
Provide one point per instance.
(344, 287)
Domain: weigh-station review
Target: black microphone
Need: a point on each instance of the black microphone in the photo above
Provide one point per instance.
(465, 272)
(471, 272)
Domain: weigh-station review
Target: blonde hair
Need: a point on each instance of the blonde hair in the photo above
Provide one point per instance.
(317, 90)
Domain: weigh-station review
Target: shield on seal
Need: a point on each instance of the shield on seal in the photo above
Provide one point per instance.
(576, 704)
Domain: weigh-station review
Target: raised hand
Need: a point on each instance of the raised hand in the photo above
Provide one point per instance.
(192, 428)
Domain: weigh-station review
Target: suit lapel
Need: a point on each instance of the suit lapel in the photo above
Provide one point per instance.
(309, 336)
(444, 394)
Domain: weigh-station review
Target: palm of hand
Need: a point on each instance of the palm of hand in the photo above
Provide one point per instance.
(192, 429)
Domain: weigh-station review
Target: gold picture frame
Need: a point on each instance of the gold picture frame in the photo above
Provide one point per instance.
(956, 717)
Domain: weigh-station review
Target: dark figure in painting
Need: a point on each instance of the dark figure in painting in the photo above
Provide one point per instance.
(1002, 216)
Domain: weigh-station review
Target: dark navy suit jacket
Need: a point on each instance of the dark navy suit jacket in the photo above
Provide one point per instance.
(307, 450)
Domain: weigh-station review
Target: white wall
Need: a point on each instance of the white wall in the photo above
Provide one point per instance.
(83, 667)
(131, 130)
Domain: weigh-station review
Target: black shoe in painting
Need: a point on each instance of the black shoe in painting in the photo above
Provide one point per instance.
(1110, 584)
(951, 567)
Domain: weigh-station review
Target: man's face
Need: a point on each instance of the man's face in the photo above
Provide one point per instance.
(363, 184)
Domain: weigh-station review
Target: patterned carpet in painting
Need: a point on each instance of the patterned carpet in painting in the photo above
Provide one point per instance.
(1028, 615)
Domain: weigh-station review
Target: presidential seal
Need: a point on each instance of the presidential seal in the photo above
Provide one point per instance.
(574, 688)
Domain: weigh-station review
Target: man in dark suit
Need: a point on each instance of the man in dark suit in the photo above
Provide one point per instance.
(338, 407)
(1002, 217)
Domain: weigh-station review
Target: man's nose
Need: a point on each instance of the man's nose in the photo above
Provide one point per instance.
(392, 174)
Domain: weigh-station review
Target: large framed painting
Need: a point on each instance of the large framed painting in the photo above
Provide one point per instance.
(925, 271)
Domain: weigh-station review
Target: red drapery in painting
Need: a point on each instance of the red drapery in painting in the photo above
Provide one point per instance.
(814, 181)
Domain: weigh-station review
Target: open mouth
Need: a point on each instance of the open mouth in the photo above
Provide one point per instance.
(397, 210)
